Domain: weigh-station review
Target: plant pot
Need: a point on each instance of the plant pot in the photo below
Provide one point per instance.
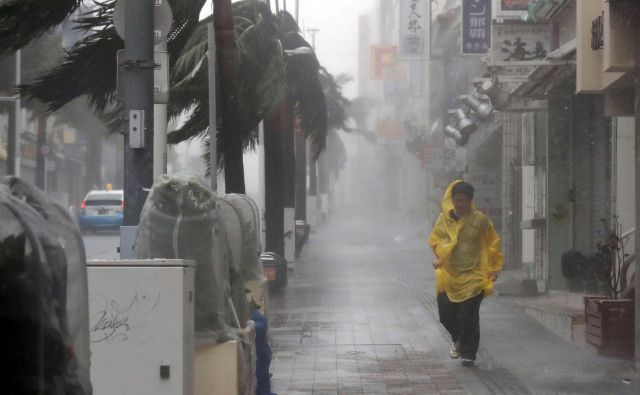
(610, 325)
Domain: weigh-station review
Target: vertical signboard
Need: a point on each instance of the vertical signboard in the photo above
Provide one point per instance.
(415, 22)
(476, 27)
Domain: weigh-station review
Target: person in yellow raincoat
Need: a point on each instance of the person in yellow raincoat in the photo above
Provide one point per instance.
(467, 260)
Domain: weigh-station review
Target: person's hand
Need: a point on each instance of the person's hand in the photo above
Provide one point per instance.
(437, 264)
(493, 276)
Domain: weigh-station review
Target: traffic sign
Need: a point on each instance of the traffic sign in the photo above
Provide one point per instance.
(162, 19)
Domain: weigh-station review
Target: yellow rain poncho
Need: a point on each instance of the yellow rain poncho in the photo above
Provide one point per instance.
(468, 249)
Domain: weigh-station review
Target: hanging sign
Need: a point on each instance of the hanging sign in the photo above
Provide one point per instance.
(415, 20)
(512, 9)
(476, 27)
(520, 43)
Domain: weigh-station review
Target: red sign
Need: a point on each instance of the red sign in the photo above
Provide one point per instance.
(514, 5)
(385, 64)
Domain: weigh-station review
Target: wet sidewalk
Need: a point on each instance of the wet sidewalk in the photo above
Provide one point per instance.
(359, 317)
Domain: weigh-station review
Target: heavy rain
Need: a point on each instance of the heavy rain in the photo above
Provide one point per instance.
(235, 197)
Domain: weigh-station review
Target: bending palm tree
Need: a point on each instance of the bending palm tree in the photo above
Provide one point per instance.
(89, 68)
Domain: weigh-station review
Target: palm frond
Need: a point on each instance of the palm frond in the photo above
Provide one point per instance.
(262, 69)
(193, 51)
(23, 21)
(197, 125)
(261, 77)
(306, 90)
(88, 68)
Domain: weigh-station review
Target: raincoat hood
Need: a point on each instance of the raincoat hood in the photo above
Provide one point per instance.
(446, 204)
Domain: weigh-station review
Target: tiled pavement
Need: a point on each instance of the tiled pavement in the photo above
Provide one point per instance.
(347, 324)
(359, 317)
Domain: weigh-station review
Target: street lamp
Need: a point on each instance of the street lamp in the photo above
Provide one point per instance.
(481, 108)
(500, 97)
(463, 126)
(451, 131)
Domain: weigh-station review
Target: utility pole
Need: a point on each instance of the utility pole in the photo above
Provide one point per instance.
(636, 15)
(313, 31)
(138, 107)
(160, 129)
(213, 120)
(42, 152)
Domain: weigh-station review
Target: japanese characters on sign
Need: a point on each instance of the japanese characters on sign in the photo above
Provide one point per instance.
(520, 42)
(476, 27)
(415, 22)
(597, 32)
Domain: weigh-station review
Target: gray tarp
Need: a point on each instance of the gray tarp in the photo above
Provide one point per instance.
(183, 219)
(180, 220)
(39, 258)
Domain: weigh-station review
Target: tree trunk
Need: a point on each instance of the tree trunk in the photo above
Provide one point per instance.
(232, 143)
(313, 174)
(301, 173)
(289, 154)
(274, 180)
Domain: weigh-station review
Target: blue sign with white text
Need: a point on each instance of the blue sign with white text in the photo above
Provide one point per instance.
(476, 27)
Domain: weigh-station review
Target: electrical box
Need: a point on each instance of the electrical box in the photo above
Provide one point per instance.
(136, 128)
(141, 326)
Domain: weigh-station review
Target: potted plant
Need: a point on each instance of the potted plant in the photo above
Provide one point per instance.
(610, 319)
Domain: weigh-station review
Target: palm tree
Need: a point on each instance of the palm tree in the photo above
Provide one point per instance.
(337, 107)
(227, 59)
(264, 81)
(89, 68)
(269, 91)
(304, 100)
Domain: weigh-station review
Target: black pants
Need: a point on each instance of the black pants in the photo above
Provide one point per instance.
(462, 321)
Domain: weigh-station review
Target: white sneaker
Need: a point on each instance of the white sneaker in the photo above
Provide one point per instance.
(453, 352)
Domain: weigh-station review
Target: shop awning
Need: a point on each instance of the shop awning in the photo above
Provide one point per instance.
(541, 11)
(544, 77)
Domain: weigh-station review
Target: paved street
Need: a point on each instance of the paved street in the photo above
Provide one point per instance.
(359, 316)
